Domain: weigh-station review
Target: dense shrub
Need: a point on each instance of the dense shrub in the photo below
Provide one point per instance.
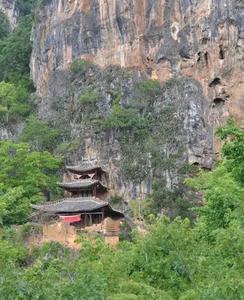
(89, 95)
(14, 103)
(79, 66)
(25, 7)
(168, 260)
(39, 135)
(4, 26)
(149, 86)
(24, 176)
(15, 51)
(122, 118)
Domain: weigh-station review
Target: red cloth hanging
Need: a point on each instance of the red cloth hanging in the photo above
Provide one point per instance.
(70, 219)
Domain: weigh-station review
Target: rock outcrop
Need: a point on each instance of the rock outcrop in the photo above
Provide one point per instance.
(202, 40)
(199, 39)
(10, 10)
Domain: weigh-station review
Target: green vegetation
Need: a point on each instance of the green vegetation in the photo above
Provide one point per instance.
(173, 202)
(239, 3)
(15, 52)
(172, 260)
(13, 103)
(24, 175)
(151, 87)
(79, 66)
(39, 135)
(89, 95)
(68, 148)
(4, 26)
(15, 85)
(121, 118)
(233, 150)
(153, 141)
(26, 7)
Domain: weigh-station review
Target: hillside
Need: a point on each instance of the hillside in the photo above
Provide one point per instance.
(152, 93)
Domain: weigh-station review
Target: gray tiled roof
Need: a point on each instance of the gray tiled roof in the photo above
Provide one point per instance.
(80, 184)
(84, 167)
(72, 205)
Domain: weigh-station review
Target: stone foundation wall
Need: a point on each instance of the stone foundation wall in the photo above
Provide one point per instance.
(62, 233)
(66, 234)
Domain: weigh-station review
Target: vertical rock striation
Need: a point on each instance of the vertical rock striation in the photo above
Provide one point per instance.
(10, 10)
(202, 40)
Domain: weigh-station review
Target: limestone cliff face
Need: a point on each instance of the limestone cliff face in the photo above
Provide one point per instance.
(199, 39)
(202, 40)
(10, 10)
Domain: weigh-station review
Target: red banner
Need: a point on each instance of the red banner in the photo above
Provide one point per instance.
(70, 219)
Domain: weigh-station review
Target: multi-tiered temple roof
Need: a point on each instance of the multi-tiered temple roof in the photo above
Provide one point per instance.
(75, 205)
(82, 185)
(79, 201)
(83, 210)
(85, 167)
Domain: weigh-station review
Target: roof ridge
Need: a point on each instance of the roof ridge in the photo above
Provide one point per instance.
(81, 180)
(81, 199)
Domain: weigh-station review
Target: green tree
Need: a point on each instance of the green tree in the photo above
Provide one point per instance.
(39, 135)
(122, 118)
(149, 87)
(24, 177)
(233, 149)
(13, 103)
(169, 260)
(4, 26)
(222, 188)
(223, 199)
(15, 51)
(89, 95)
(25, 7)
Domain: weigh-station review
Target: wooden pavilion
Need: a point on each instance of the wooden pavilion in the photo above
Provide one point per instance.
(84, 209)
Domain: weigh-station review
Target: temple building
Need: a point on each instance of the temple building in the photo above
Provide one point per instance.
(84, 208)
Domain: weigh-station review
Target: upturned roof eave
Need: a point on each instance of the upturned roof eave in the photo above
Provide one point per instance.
(75, 205)
(79, 169)
(82, 185)
(70, 205)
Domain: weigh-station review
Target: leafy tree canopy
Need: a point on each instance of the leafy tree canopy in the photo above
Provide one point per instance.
(122, 118)
(24, 176)
(13, 102)
(15, 52)
(222, 188)
(39, 135)
(233, 150)
(4, 26)
(25, 7)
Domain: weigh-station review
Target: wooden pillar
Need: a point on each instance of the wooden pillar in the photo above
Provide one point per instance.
(94, 191)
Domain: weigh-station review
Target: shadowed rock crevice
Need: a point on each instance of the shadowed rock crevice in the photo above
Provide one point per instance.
(214, 82)
(189, 47)
(221, 52)
(217, 102)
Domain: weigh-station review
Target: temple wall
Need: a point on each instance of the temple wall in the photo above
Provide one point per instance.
(66, 234)
(62, 233)
(111, 227)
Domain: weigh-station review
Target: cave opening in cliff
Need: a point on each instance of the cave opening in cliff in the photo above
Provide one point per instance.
(205, 41)
(221, 52)
(203, 56)
(206, 57)
(215, 82)
(218, 101)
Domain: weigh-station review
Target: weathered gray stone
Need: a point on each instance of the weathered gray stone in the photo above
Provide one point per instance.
(10, 10)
